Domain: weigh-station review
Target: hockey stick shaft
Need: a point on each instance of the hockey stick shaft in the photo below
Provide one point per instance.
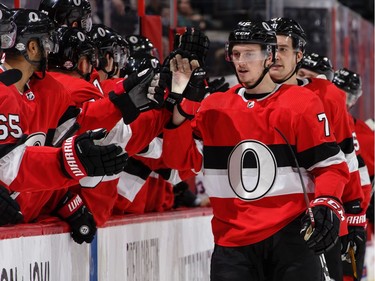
(353, 262)
(307, 201)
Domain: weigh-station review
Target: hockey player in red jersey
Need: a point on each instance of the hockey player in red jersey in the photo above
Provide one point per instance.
(291, 41)
(350, 83)
(251, 177)
(33, 108)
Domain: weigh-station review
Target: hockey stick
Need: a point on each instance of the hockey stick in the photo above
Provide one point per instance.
(309, 231)
(353, 262)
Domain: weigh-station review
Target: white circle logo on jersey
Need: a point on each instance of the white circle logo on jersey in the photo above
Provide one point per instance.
(37, 139)
(1, 14)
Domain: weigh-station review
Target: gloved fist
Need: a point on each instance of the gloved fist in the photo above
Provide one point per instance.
(356, 238)
(130, 95)
(10, 212)
(72, 210)
(322, 236)
(82, 157)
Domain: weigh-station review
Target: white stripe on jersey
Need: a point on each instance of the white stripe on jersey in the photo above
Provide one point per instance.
(287, 182)
(365, 177)
(333, 160)
(129, 185)
(352, 161)
(10, 164)
(120, 135)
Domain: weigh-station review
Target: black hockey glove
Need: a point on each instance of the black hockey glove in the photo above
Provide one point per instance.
(218, 85)
(184, 197)
(328, 213)
(130, 96)
(10, 212)
(356, 238)
(72, 210)
(82, 157)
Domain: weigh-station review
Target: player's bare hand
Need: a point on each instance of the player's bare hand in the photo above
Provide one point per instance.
(181, 67)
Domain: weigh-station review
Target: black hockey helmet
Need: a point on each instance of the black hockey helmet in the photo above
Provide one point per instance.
(66, 12)
(33, 24)
(8, 29)
(139, 61)
(318, 64)
(251, 32)
(139, 43)
(194, 41)
(106, 41)
(289, 27)
(350, 82)
(73, 44)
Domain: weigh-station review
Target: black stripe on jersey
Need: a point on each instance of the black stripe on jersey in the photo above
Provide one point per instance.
(347, 145)
(164, 173)
(71, 113)
(361, 162)
(317, 154)
(216, 157)
(6, 148)
(137, 168)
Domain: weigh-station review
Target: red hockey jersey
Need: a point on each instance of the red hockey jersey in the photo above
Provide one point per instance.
(250, 174)
(334, 102)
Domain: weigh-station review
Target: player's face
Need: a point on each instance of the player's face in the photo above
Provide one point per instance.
(305, 73)
(286, 58)
(248, 60)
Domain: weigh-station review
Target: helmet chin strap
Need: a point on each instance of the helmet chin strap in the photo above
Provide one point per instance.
(292, 73)
(265, 70)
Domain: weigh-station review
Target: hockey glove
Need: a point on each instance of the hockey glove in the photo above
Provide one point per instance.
(322, 236)
(10, 212)
(218, 85)
(130, 95)
(193, 94)
(184, 197)
(82, 157)
(82, 224)
(156, 91)
(356, 238)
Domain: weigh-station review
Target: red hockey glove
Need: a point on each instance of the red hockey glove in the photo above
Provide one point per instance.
(82, 157)
(10, 212)
(72, 210)
(328, 214)
(356, 238)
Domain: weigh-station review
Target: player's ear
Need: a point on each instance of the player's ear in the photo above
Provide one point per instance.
(299, 56)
